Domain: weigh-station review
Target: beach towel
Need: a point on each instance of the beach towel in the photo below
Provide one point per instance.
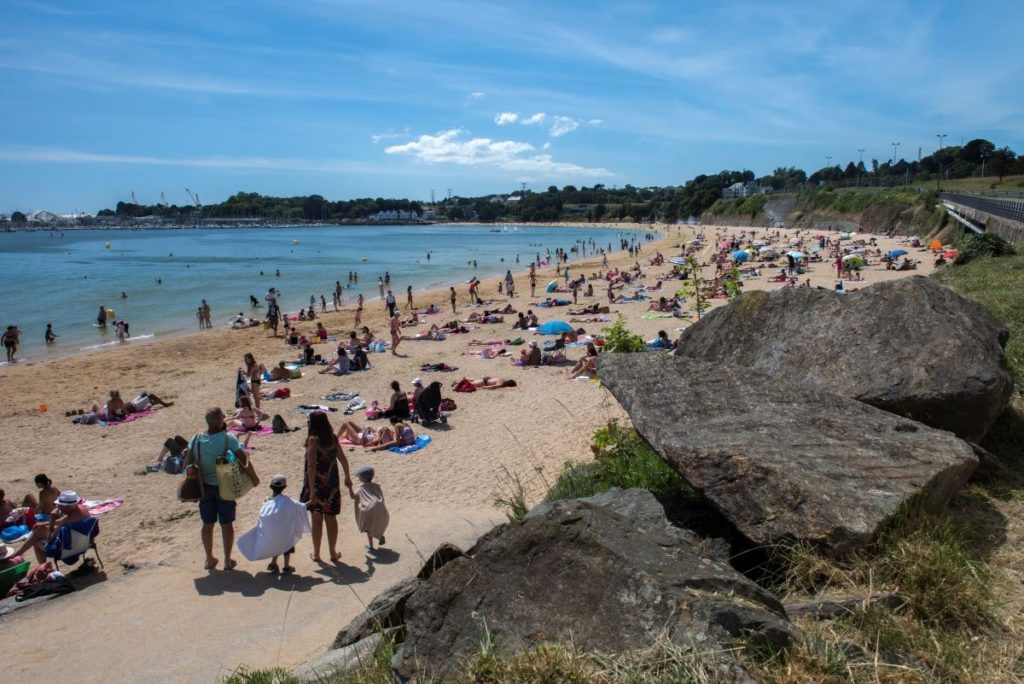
(657, 315)
(261, 430)
(421, 441)
(313, 408)
(100, 506)
(438, 367)
(281, 524)
(465, 386)
(340, 396)
(127, 419)
(371, 513)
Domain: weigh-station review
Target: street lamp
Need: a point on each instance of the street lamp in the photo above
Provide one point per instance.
(984, 156)
(941, 137)
(892, 164)
(860, 165)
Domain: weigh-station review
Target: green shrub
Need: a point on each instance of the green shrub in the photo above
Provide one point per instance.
(987, 245)
(618, 338)
(622, 459)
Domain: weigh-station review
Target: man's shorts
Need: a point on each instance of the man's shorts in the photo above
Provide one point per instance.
(214, 509)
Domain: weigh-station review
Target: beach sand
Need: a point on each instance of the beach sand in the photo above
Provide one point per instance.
(159, 615)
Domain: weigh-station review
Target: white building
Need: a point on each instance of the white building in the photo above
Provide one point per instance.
(393, 215)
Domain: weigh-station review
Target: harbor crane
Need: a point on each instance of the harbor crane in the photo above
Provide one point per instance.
(195, 199)
(163, 200)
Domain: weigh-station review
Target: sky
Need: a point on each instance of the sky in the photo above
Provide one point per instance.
(379, 98)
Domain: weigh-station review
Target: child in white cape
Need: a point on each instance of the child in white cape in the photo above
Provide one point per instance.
(371, 513)
(282, 522)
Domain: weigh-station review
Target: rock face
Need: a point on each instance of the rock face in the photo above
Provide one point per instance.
(608, 573)
(910, 346)
(784, 461)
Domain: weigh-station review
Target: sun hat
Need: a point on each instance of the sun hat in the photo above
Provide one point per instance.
(68, 497)
(6, 551)
(365, 473)
(417, 381)
(279, 480)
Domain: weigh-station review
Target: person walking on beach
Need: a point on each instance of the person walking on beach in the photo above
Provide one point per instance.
(10, 339)
(273, 315)
(452, 289)
(533, 282)
(389, 301)
(359, 311)
(337, 293)
(321, 489)
(203, 451)
(51, 337)
(101, 320)
(371, 513)
(510, 284)
(396, 331)
(323, 304)
(200, 317)
(408, 297)
(380, 286)
(206, 314)
(254, 371)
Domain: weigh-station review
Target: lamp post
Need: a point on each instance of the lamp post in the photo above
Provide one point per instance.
(860, 165)
(941, 137)
(984, 156)
(892, 164)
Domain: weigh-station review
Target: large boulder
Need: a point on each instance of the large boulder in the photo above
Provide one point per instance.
(607, 573)
(783, 461)
(910, 346)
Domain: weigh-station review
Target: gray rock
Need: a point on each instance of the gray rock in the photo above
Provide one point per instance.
(385, 611)
(339, 661)
(388, 608)
(782, 461)
(580, 571)
(831, 607)
(909, 346)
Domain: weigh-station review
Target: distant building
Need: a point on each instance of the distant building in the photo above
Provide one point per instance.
(42, 216)
(393, 215)
(746, 190)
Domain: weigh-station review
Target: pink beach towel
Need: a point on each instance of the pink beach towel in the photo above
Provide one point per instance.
(127, 419)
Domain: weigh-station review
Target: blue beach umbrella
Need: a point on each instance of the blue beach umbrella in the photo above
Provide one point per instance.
(554, 328)
(897, 253)
(795, 254)
(740, 255)
(552, 286)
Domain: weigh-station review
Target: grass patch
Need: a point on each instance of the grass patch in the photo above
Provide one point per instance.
(512, 498)
(622, 459)
(374, 671)
(998, 284)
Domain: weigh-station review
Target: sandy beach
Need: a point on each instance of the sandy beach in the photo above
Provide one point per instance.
(187, 625)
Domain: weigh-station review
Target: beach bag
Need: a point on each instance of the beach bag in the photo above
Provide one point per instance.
(282, 393)
(278, 425)
(190, 486)
(448, 405)
(234, 481)
(172, 464)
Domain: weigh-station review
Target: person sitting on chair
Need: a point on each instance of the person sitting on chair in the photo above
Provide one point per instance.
(45, 539)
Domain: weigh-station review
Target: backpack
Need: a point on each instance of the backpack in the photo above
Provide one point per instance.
(447, 405)
(173, 464)
(278, 425)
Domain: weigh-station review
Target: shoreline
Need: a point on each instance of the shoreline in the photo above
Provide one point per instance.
(58, 352)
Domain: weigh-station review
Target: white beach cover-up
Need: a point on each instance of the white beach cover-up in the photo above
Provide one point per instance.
(282, 522)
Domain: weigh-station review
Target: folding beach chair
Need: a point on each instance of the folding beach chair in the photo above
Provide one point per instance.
(73, 540)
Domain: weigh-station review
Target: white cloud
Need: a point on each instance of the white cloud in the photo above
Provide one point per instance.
(546, 146)
(595, 122)
(66, 156)
(506, 118)
(476, 95)
(390, 135)
(535, 120)
(560, 125)
(508, 155)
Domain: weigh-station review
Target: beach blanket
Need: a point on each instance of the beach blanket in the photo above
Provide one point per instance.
(313, 408)
(591, 319)
(657, 315)
(101, 506)
(261, 430)
(421, 441)
(127, 419)
(438, 367)
(340, 396)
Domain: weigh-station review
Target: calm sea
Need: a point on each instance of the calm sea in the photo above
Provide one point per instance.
(63, 278)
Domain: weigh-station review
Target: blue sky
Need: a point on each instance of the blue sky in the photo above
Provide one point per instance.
(354, 98)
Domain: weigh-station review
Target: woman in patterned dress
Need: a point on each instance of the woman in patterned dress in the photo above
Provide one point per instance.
(321, 491)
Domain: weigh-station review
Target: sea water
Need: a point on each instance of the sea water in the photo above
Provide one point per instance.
(64, 277)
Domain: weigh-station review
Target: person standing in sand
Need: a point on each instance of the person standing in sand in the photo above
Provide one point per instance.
(371, 513)
(396, 331)
(10, 339)
(380, 286)
(452, 290)
(408, 297)
(206, 315)
(321, 489)
(254, 371)
(203, 451)
(390, 303)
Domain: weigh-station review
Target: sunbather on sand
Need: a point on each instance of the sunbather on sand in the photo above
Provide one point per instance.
(487, 382)
(279, 373)
(586, 365)
(363, 436)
